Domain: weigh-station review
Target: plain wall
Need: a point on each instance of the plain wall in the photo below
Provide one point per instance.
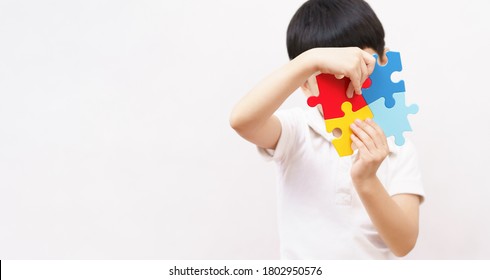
(114, 134)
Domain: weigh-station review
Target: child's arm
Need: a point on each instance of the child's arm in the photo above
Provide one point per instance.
(396, 218)
(253, 116)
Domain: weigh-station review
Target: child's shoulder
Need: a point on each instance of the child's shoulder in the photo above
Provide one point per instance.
(404, 153)
(301, 116)
(292, 117)
(302, 120)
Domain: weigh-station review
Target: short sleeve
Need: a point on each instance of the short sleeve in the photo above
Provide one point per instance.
(406, 176)
(292, 121)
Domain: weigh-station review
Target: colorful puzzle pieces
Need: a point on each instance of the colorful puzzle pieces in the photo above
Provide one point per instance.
(382, 100)
(381, 83)
(343, 143)
(394, 120)
(332, 96)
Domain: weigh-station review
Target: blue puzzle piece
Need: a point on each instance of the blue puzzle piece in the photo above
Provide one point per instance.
(381, 83)
(394, 120)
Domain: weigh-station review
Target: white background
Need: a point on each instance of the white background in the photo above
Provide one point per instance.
(114, 135)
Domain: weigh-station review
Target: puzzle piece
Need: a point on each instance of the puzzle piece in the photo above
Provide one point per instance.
(382, 85)
(344, 142)
(332, 95)
(394, 120)
(382, 100)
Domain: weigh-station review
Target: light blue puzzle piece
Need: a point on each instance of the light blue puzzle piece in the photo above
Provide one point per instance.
(394, 120)
(381, 83)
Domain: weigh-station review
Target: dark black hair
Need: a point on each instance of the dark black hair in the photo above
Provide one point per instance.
(334, 23)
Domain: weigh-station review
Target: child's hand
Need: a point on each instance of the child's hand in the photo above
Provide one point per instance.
(352, 62)
(373, 149)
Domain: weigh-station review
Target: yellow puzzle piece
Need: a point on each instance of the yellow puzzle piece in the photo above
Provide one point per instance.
(343, 144)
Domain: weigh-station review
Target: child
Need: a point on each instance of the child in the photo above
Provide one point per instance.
(364, 206)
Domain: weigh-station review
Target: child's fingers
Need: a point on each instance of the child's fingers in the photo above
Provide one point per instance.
(372, 132)
(369, 61)
(363, 150)
(365, 68)
(355, 74)
(362, 66)
(364, 75)
(363, 136)
(380, 131)
(355, 80)
(350, 90)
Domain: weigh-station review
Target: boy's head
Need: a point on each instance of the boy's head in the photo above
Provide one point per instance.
(334, 23)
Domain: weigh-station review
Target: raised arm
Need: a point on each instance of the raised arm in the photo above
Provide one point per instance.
(253, 117)
(395, 217)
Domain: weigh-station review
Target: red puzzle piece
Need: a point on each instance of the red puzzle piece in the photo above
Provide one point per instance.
(332, 96)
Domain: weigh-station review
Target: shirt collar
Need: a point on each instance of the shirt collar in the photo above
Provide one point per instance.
(317, 123)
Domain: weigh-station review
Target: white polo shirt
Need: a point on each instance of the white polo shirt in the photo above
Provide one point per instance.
(320, 213)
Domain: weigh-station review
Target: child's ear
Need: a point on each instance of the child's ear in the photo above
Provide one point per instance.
(309, 87)
(384, 59)
(306, 87)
